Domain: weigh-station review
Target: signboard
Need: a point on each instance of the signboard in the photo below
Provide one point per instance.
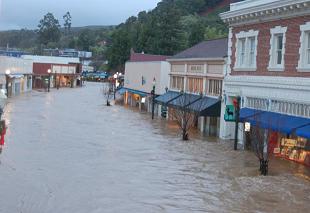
(230, 113)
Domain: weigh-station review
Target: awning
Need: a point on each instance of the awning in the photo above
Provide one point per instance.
(304, 132)
(207, 106)
(137, 92)
(274, 121)
(121, 91)
(184, 100)
(16, 76)
(247, 113)
(167, 97)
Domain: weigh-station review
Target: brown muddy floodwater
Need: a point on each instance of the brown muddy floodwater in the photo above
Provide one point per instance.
(66, 152)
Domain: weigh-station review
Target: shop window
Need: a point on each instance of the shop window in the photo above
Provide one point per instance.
(277, 49)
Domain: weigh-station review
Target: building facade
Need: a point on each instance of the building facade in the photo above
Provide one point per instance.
(15, 75)
(269, 69)
(199, 71)
(142, 72)
(64, 71)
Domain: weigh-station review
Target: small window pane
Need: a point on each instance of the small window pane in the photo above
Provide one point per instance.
(280, 42)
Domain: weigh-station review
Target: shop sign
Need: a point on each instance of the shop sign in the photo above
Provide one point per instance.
(247, 126)
(230, 113)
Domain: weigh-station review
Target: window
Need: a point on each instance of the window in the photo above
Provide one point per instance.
(242, 52)
(195, 68)
(277, 48)
(304, 50)
(177, 83)
(215, 87)
(252, 51)
(194, 85)
(246, 51)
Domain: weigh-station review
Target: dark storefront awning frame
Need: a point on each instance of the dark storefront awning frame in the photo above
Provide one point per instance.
(167, 97)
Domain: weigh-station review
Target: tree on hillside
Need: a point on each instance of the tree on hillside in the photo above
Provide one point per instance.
(196, 34)
(49, 29)
(85, 40)
(67, 22)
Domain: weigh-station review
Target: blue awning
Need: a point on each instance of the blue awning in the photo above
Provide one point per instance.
(167, 97)
(247, 112)
(121, 91)
(207, 106)
(184, 100)
(274, 121)
(304, 132)
(137, 92)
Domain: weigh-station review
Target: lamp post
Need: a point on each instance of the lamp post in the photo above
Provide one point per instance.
(7, 73)
(153, 98)
(114, 85)
(49, 80)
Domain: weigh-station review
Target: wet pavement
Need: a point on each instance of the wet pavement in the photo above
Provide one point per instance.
(67, 152)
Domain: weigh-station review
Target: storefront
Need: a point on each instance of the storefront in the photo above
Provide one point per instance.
(288, 136)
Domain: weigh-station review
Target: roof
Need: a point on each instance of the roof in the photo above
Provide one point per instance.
(51, 59)
(141, 57)
(207, 49)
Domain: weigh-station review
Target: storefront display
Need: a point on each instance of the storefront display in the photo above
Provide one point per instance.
(296, 149)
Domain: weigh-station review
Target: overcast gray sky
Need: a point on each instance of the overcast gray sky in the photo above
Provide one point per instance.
(16, 14)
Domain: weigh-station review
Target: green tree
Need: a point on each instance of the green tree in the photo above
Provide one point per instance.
(49, 29)
(67, 22)
(196, 34)
(85, 40)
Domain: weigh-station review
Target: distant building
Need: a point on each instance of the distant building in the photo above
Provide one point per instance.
(269, 69)
(65, 71)
(15, 75)
(199, 71)
(142, 72)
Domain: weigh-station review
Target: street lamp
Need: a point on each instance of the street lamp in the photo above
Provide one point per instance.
(153, 97)
(49, 80)
(7, 73)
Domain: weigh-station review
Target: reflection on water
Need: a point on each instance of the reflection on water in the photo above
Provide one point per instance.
(67, 152)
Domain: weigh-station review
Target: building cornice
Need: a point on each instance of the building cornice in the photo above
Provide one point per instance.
(266, 12)
(292, 83)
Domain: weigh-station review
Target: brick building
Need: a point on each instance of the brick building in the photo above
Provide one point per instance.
(269, 69)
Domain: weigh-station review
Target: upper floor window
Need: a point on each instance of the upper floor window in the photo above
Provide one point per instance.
(215, 87)
(277, 48)
(304, 51)
(246, 51)
(177, 83)
(195, 85)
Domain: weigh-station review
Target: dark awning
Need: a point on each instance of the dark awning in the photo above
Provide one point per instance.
(137, 92)
(304, 132)
(274, 121)
(184, 100)
(207, 106)
(167, 97)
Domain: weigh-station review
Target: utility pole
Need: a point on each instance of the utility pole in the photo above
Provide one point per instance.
(237, 101)
(153, 98)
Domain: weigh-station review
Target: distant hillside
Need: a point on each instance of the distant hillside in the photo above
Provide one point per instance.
(171, 27)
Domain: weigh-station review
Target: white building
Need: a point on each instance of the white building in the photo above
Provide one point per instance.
(18, 72)
(142, 72)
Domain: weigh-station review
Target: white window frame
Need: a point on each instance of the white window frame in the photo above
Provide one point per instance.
(246, 66)
(303, 65)
(273, 66)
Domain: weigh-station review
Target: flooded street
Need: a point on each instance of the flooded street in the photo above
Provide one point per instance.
(67, 152)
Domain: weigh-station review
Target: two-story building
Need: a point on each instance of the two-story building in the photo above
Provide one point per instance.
(269, 69)
(64, 71)
(15, 75)
(199, 71)
(142, 73)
